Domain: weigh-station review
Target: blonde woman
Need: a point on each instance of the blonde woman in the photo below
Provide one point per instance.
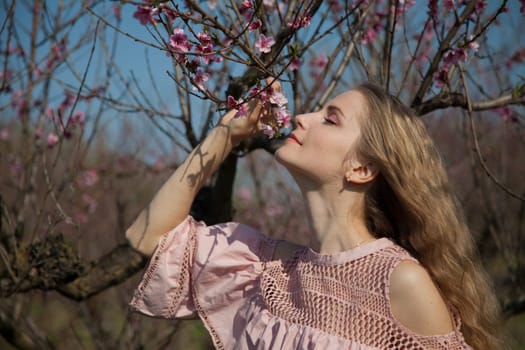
(392, 265)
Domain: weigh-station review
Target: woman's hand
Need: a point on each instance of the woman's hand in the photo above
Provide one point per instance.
(244, 127)
(248, 125)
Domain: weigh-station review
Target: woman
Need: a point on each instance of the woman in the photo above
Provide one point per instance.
(392, 265)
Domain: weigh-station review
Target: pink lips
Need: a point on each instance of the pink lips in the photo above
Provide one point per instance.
(293, 138)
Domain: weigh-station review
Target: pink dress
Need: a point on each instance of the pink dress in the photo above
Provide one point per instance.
(225, 275)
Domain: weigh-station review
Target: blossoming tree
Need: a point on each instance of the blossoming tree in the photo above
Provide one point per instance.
(59, 175)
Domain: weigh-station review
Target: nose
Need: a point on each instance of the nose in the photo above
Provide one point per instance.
(300, 120)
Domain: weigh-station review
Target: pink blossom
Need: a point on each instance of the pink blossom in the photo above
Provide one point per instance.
(4, 134)
(23, 109)
(91, 202)
(507, 114)
(81, 218)
(205, 50)
(335, 6)
(204, 37)
(78, 118)
(216, 58)
(179, 41)
(57, 53)
(517, 57)
(231, 102)
(88, 178)
(67, 102)
(319, 61)
(433, 9)
(269, 4)
(116, 12)
(369, 36)
(15, 98)
(168, 11)
(267, 130)
(256, 24)
(402, 7)
(242, 110)
(18, 50)
(144, 14)
(247, 4)
(480, 6)
(284, 117)
(52, 140)
(441, 76)
(264, 43)
(254, 91)
(278, 98)
(159, 164)
(300, 22)
(50, 113)
(245, 193)
(449, 4)
(200, 79)
(474, 45)
(454, 56)
(295, 64)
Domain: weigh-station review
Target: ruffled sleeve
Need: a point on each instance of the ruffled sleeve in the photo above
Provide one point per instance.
(203, 270)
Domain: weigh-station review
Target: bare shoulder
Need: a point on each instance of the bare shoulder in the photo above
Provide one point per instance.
(284, 250)
(416, 301)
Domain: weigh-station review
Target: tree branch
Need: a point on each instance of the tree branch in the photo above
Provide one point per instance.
(112, 269)
(456, 99)
(443, 47)
(476, 143)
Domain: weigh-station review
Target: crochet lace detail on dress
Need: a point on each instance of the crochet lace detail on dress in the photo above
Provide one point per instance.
(349, 300)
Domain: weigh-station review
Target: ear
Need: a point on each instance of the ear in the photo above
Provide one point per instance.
(361, 172)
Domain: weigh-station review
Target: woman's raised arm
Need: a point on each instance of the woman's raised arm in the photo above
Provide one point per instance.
(172, 203)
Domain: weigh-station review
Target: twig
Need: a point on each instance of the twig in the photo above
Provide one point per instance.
(387, 48)
(476, 143)
(443, 47)
(340, 69)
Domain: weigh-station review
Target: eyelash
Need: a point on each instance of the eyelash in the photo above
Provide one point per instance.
(329, 121)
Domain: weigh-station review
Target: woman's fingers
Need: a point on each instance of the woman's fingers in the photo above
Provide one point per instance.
(274, 83)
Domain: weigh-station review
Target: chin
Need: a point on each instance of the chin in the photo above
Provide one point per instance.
(279, 157)
(287, 162)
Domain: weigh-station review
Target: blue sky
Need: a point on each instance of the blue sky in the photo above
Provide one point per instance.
(132, 61)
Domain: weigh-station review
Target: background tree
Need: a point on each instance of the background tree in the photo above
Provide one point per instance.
(84, 143)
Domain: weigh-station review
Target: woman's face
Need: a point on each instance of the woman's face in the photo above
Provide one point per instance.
(322, 140)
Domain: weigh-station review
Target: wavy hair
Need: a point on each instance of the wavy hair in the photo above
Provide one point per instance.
(411, 202)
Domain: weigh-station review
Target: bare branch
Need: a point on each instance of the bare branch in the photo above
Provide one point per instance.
(456, 99)
(112, 269)
(443, 47)
(387, 48)
(476, 142)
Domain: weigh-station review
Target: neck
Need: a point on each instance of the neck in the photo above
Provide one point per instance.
(336, 217)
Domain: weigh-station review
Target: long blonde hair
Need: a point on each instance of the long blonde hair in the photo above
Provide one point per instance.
(411, 203)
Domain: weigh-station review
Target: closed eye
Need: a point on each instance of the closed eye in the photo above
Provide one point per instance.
(330, 120)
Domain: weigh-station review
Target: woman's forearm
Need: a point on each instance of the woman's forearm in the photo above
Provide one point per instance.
(172, 203)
